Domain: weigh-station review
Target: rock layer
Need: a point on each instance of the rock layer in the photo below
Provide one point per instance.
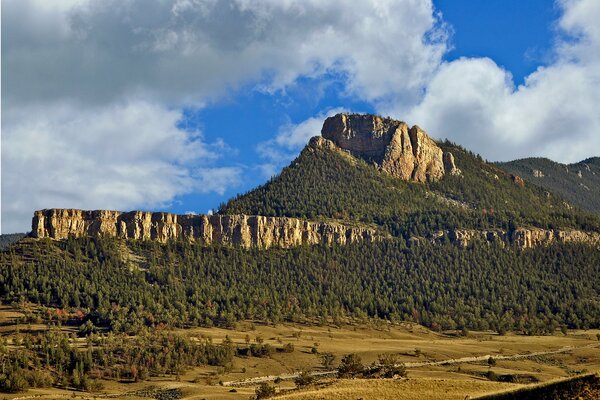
(407, 153)
(521, 237)
(237, 230)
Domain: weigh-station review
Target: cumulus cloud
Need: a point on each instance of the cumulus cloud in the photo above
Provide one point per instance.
(118, 156)
(188, 50)
(554, 113)
(75, 132)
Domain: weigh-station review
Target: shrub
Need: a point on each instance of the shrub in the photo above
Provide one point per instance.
(327, 360)
(264, 391)
(288, 348)
(351, 365)
(13, 381)
(304, 379)
(261, 350)
(390, 367)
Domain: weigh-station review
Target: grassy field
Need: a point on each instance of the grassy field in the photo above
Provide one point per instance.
(414, 345)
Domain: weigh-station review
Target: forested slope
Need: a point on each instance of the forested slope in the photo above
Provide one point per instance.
(326, 183)
(125, 285)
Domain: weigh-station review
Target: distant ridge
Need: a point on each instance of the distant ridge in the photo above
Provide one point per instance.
(578, 183)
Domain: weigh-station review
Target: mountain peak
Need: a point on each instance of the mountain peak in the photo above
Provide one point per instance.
(403, 152)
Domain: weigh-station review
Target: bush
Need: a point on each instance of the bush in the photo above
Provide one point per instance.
(264, 391)
(327, 360)
(390, 367)
(492, 376)
(92, 385)
(261, 350)
(38, 379)
(351, 365)
(304, 379)
(288, 348)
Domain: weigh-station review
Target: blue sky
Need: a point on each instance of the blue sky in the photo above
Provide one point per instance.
(179, 105)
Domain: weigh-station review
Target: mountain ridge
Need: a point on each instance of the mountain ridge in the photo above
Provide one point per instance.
(578, 183)
(237, 230)
(328, 181)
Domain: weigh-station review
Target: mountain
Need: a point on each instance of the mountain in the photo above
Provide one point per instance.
(354, 182)
(577, 183)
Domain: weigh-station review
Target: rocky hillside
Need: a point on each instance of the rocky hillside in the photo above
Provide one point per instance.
(577, 183)
(238, 230)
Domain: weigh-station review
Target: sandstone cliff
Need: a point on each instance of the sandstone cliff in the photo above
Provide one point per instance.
(520, 237)
(238, 230)
(407, 153)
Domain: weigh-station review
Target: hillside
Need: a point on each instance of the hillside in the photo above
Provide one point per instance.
(577, 183)
(125, 285)
(327, 182)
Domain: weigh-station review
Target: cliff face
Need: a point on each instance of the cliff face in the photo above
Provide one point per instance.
(521, 237)
(262, 232)
(406, 153)
(238, 230)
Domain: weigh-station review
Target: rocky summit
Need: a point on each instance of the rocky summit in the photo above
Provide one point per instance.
(406, 153)
(238, 230)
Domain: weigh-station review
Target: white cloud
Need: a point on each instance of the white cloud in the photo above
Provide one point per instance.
(216, 179)
(295, 136)
(119, 156)
(554, 114)
(186, 51)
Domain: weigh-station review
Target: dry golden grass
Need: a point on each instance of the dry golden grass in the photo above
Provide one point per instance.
(404, 389)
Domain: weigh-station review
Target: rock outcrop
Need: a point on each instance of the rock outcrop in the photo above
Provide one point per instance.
(450, 166)
(517, 180)
(237, 230)
(521, 237)
(406, 153)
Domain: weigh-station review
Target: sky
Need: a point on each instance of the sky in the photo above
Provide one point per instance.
(178, 105)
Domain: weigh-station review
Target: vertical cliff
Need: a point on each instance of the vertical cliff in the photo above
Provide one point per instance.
(407, 153)
(525, 238)
(238, 230)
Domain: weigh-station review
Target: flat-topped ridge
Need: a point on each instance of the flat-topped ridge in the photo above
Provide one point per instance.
(238, 230)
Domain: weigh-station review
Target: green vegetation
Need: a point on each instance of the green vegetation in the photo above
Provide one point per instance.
(577, 183)
(53, 358)
(327, 184)
(182, 285)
